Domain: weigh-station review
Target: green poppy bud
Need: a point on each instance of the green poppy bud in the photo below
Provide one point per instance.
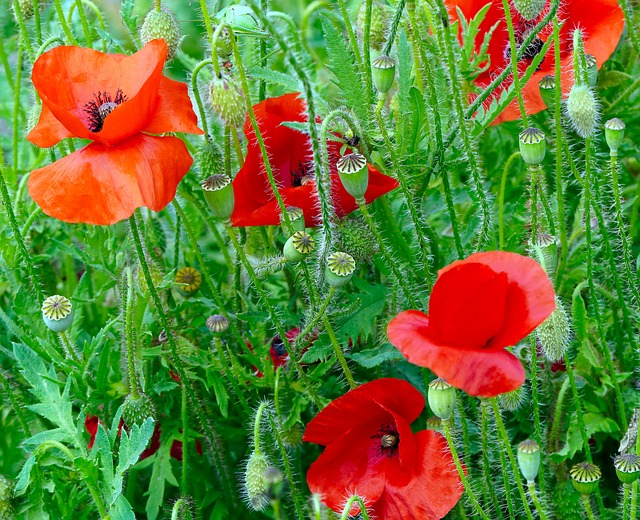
(383, 73)
(354, 237)
(529, 459)
(6, 494)
(183, 509)
(529, 9)
(547, 86)
(227, 100)
(614, 134)
(354, 174)
(217, 323)
(296, 218)
(57, 313)
(582, 110)
(380, 16)
(255, 486)
(627, 467)
(585, 477)
(442, 398)
(533, 146)
(190, 279)
(554, 333)
(25, 7)
(592, 69)
(224, 49)
(513, 400)
(218, 192)
(209, 158)
(161, 25)
(137, 409)
(298, 246)
(340, 269)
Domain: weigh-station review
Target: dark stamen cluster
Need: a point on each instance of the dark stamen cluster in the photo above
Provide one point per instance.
(389, 440)
(301, 175)
(101, 106)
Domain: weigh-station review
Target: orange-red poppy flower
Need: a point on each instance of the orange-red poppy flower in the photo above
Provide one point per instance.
(372, 452)
(478, 306)
(116, 101)
(291, 159)
(601, 21)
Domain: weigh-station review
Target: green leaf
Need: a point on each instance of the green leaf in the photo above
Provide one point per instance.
(362, 322)
(126, 12)
(320, 350)
(215, 380)
(376, 356)
(160, 474)
(22, 481)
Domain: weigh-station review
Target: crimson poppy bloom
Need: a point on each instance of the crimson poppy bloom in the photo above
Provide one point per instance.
(291, 159)
(601, 21)
(478, 307)
(372, 452)
(116, 101)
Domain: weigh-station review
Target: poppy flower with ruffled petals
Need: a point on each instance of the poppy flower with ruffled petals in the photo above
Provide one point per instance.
(601, 21)
(117, 102)
(291, 160)
(372, 452)
(478, 307)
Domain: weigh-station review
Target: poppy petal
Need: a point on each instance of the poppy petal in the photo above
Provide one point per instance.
(432, 492)
(49, 131)
(482, 372)
(351, 465)
(103, 185)
(174, 112)
(369, 403)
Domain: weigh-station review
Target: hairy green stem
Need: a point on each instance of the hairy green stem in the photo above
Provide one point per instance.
(503, 185)
(354, 499)
(536, 501)
(514, 62)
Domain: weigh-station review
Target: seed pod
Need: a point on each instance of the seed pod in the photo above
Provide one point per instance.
(554, 333)
(137, 409)
(513, 400)
(162, 24)
(383, 73)
(533, 146)
(227, 100)
(340, 269)
(582, 110)
(442, 398)
(217, 323)
(614, 133)
(296, 218)
(627, 467)
(547, 86)
(218, 192)
(255, 485)
(190, 278)
(529, 459)
(298, 246)
(354, 174)
(57, 313)
(585, 477)
(529, 9)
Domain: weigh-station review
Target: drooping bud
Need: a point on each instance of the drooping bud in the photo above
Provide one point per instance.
(209, 158)
(161, 25)
(547, 86)
(340, 269)
(592, 69)
(217, 323)
(353, 236)
(582, 110)
(627, 467)
(614, 133)
(227, 100)
(6, 494)
(190, 278)
(137, 409)
(296, 218)
(554, 333)
(298, 246)
(529, 9)
(255, 486)
(218, 192)
(585, 477)
(354, 174)
(183, 509)
(57, 313)
(442, 398)
(513, 400)
(25, 7)
(383, 73)
(529, 459)
(533, 146)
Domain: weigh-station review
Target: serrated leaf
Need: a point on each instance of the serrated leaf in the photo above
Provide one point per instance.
(22, 481)
(376, 356)
(160, 474)
(362, 322)
(320, 350)
(612, 78)
(215, 381)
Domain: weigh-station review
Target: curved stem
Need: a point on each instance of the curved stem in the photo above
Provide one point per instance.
(349, 505)
(503, 185)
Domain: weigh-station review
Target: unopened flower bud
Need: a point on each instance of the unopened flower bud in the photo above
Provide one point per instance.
(218, 192)
(592, 69)
(383, 73)
(585, 477)
(547, 86)
(513, 400)
(442, 398)
(217, 323)
(6, 494)
(227, 100)
(582, 110)
(57, 313)
(340, 269)
(533, 146)
(380, 15)
(614, 134)
(190, 279)
(529, 459)
(224, 48)
(161, 25)
(137, 409)
(255, 486)
(25, 7)
(627, 467)
(298, 246)
(296, 218)
(353, 236)
(354, 174)
(209, 158)
(554, 333)
(529, 9)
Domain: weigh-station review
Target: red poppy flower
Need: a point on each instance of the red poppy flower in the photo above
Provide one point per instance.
(478, 307)
(116, 101)
(372, 452)
(291, 159)
(601, 21)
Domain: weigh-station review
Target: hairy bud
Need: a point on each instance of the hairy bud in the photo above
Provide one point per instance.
(227, 100)
(582, 109)
(554, 333)
(164, 25)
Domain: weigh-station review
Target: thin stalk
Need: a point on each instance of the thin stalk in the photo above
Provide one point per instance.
(17, 124)
(626, 495)
(338, 352)
(24, 35)
(366, 46)
(234, 373)
(196, 94)
(70, 351)
(393, 29)
(536, 501)
(63, 22)
(347, 508)
(17, 407)
(83, 21)
(352, 37)
(557, 413)
(514, 62)
(207, 22)
(315, 319)
(129, 334)
(537, 428)
(503, 185)
(36, 20)
(586, 502)
(184, 481)
(486, 465)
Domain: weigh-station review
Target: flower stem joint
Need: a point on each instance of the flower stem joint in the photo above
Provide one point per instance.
(614, 134)
(442, 398)
(533, 146)
(340, 269)
(383, 73)
(298, 246)
(218, 192)
(529, 459)
(547, 86)
(57, 313)
(585, 477)
(354, 174)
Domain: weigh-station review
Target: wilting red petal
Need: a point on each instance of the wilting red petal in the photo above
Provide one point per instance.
(369, 403)
(479, 372)
(102, 185)
(49, 131)
(351, 465)
(432, 492)
(174, 112)
(67, 78)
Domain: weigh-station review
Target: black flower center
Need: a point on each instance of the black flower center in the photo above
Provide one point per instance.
(278, 346)
(389, 440)
(301, 175)
(101, 106)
